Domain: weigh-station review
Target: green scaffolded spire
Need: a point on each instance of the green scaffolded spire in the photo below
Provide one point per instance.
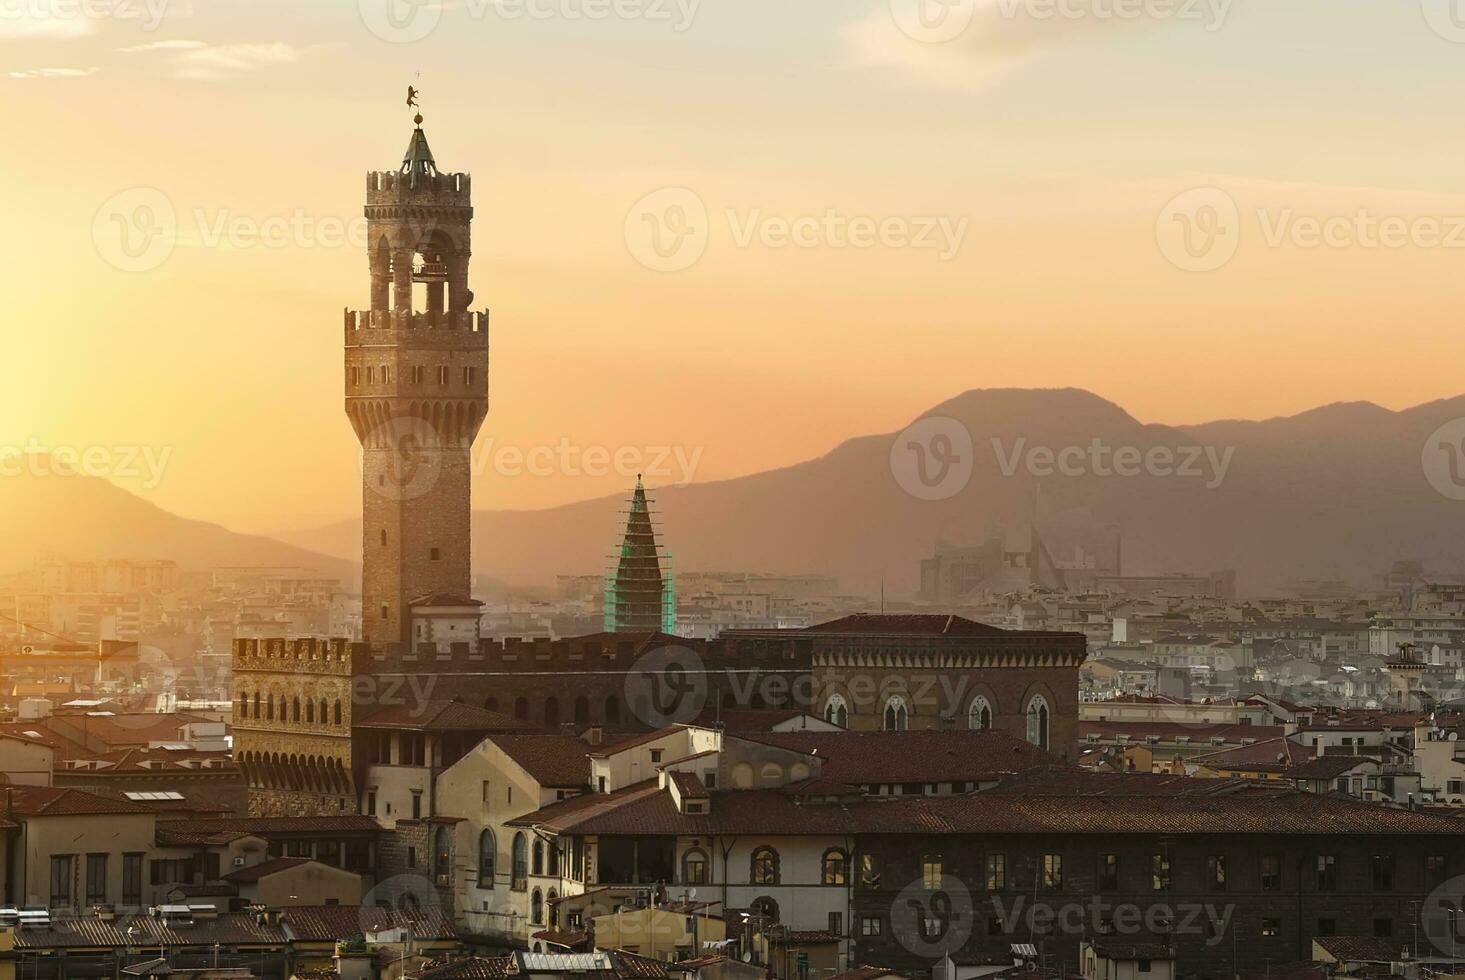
(419, 162)
(639, 596)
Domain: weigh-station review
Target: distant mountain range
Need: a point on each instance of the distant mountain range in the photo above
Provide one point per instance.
(1339, 492)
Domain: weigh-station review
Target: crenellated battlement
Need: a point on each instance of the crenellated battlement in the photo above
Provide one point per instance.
(312, 654)
(389, 187)
(370, 328)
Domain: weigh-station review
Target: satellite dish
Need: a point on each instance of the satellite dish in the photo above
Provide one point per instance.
(748, 956)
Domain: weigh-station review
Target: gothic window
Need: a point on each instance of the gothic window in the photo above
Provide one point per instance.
(442, 855)
(442, 375)
(897, 716)
(1037, 716)
(295, 709)
(765, 907)
(310, 711)
(539, 857)
(552, 900)
(536, 908)
(256, 704)
(979, 716)
(836, 712)
(764, 869)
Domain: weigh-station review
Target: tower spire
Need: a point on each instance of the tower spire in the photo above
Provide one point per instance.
(637, 594)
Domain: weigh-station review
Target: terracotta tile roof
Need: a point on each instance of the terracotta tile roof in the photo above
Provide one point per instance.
(1358, 949)
(266, 826)
(327, 923)
(912, 756)
(865, 973)
(1113, 948)
(266, 868)
(556, 761)
(746, 719)
(636, 966)
(71, 932)
(689, 785)
(607, 749)
(571, 939)
(1168, 731)
(441, 716)
(1328, 766)
(1271, 755)
(39, 801)
(647, 810)
(911, 624)
(119, 730)
(472, 968)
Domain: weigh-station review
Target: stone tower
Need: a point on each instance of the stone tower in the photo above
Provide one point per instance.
(416, 392)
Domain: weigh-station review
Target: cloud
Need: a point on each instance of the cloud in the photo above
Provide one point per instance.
(179, 45)
(199, 61)
(967, 43)
(25, 23)
(54, 73)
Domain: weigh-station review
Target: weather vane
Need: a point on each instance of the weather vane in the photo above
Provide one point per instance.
(412, 103)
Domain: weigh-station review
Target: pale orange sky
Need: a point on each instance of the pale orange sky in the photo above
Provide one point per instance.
(1058, 146)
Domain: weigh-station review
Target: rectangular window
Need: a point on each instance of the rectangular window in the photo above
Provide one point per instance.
(871, 925)
(442, 376)
(1216, 872)
(869, 871)
(355, 377)
(931, 872)
(836, 923)
(132, 880)
(61, 865)
(486, 797)
(1327, 873)
(371, 802)
(470, 375)
(1160, 872)
(1053, 872)
(1435, 871)
(655, 756)
(411, 857)
(419, 374)
(996, 872)
(1271, 928)
(1271, 873)
(1109, 872)
(1383, 872)
(386, 375)
(435, 554)
(416, 806)
(696, 869)
(96, 879)
(371, 375)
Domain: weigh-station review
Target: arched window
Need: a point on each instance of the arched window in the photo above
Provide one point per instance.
(536, 907)
(764, 870)
(336, 712)
(771, 774)
(243, 705)
(309, 711)
(295, 708)
(521, 862)
(694, 867)
(552, 900)
(897, 716)
(538, 857)
(979, 715)
(612, 710)
(836, 712)
(442, 854)
(554, 860)
(521, 708)
(765, 907)
(582, 710)
(487, 858)
(836, 867)
(256, 704)
(552, 713)
(270, 708)
(742, 776)
(1037, 714)
(325, 707)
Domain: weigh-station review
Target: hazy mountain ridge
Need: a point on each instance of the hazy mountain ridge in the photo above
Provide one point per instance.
(1335, 492)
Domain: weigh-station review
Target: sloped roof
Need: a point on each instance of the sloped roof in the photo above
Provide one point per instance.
(555, 761)
(911, 756)
(913, 624)
(441, 716)
(266, 868)
(38, 801)
(1271, 755)
(327, 923)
